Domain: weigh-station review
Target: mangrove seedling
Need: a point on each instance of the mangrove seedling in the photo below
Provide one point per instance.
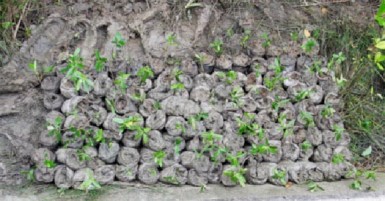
(180, 127)
(29, 174)
(237, 175)
(294, 36)
(217, 46)
(314, 187)
(327, 111)
(273, 82)
(118, 40)
(306, 145)
(49, 163)
(130, 123)
(303, 94)
(338, 131)
(75, 63)
(142, 133)
(90, 183)
(265, 148)
(157, 105)
(210, 138)
(178, 142)
(338, 158)
(171, 39)
(280, 175)
(82, 81)
(83, 156)
(287, 128)
(246, 128)
(279, 103)
(121, 81)
(177, 73)
(200, 59)
(33, 66)
(99, 136)
(159, 157)
(177, 86)
(267, 41)
(55, 128)
(198, 117)
(278, 68)
(336, 59)
(309, 45)
(144, 73)
(236, 95)
(307, 117)
(99, 61)
(111, 105)
(229, 76)
(139, 96)
(245, 38)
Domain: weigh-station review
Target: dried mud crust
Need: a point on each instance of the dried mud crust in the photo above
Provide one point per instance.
(92, 26)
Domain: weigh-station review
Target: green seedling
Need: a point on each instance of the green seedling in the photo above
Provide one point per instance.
(286, 127)
(267, 41)
(280, 175)
(263, 149)
(230, 32)
(159, 157)
(229, 76)
(356, 184)
(236, 94)
(178, 142)
(237, 176)
(294, 36)
(307, 118)
(90, 183)
(337, 59)
(200, 59)
(172, 180)
(99, 62)
(338, 158)
(118, 40)
(278, 68)
(130, 123)
(82, 81)
(246, 128)
(140, 96)
(338, 131)
(303, 94)
(309, 45)
(314, 187)
(272, 82)
(279, 103)
(142, 133)
(145, 73)
(111, 105)
(202, 188)
(315, 67)
(49, 163)
(234, 159)
(171, 39)
(99, 136)
(341, 81)
(177, 73)
(83, 156)
(157, 105)
(196, 118)
(245, 38)
(55, 128)
(370, 174)
(217, 152)
(177, 86)
(192, 4)
(29, 174)
(35, 69)
(217, 46)
(180, 127)
(210, 138)
(75, 64)
(327, 111)
(121, 81)
(306, 145)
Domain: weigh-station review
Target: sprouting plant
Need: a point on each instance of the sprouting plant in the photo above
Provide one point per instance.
(237, 175)
(178, 142)
(30, 174)
(118, 40)
(39, 75)
(264, 148)
(272, 82)
(177, 73)
(217, 46)
(279, 103)
(303, 94)
(130, 123)
(202, 188)
(248, 128)
(230, 32)
(309, 45)
(140, 96)
(111, 105)
(278, 68)
(336, 59)
(341, 81)
(338, 131)
(159, 157)
(121, 81)
(83, 156)
(200, 59)
(229, 76)
(49, 163)
(171, 39)
(287, 127)
(99, 136)
(90, 183)
(75, 63)
(55, 128)
(314, 187)
(157, 105)
(356, 185)
(236, 95)
(280, 175)
(171, 179)
(144, 73)
(180, 127)
(245, 38)
(327, 111)
(294, 36)
(99, 61)
(267, 41)
(82, 81)
(307, 118)
(198, 117)
(315, 66)
(142, 133)
(306, 145)
(177, 86)
(210, 138)
(338, 158)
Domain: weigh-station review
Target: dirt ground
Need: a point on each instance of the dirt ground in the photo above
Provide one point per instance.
(89, 25)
